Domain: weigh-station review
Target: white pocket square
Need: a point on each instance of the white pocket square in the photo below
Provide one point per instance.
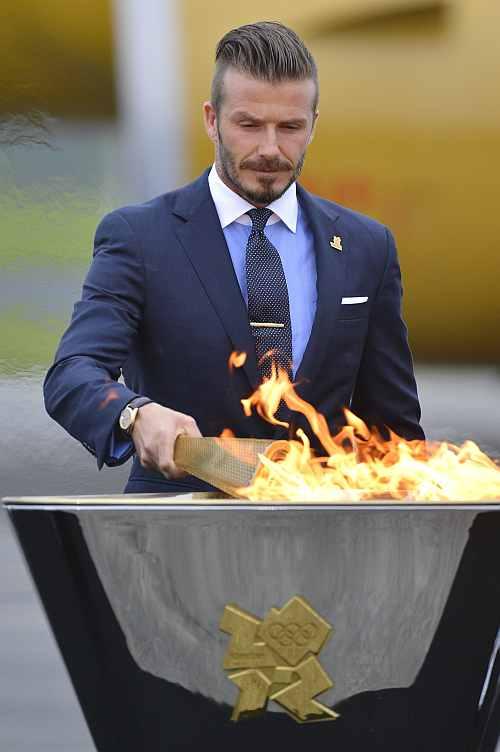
(353, 301)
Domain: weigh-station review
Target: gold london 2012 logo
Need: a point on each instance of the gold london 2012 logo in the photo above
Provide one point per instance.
(275, 659)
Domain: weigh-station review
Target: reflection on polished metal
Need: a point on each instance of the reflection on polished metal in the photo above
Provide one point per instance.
(168, 576)
(273, 654)
(269, 324)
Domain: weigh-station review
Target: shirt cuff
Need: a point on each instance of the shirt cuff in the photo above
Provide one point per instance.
(120, 448)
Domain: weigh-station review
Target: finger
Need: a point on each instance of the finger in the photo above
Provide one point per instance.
(146, 460)
(171, 471)
(166, 463)
(176, 471)
(190, 428)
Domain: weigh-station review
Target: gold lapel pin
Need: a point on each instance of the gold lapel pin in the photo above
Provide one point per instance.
(336, 242)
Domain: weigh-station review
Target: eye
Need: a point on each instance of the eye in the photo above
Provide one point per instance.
(248, 125)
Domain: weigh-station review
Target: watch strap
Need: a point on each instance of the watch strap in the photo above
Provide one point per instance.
(138, 402)
(132, 407)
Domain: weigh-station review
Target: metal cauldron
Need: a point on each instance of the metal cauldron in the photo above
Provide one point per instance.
(135, 589)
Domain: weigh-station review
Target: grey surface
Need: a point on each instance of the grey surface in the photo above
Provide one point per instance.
(379, 577)
(38, 457)
(38, 710)
(461, 402)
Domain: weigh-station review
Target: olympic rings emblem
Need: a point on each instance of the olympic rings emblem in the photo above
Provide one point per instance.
(292, 634)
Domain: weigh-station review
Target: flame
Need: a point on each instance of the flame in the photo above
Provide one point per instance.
(237, 360)
(359, 464)
(268, 395)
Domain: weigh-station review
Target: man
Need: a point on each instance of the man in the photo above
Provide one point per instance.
(241, 259)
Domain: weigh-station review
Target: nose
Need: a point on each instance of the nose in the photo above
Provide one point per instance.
(269, 146)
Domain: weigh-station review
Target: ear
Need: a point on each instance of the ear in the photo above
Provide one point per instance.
(313, 128)
(210, 121)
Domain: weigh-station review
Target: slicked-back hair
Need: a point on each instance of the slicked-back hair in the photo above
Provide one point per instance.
(268, 51)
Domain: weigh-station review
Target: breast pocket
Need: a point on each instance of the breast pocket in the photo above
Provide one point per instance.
(353, 308)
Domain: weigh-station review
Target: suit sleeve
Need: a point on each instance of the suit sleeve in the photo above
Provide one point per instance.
(81, 390)
(386, 392)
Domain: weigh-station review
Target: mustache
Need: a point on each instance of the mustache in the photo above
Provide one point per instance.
(274, 165)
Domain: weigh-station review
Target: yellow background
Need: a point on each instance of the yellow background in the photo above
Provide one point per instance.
(409, 128)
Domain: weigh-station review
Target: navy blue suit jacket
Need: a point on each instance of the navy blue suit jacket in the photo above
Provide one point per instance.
(161, 303)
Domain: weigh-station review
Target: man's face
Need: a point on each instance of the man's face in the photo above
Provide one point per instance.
(261, 134)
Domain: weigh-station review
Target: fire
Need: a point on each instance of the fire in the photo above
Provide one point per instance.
(237, 360)
(359, 464)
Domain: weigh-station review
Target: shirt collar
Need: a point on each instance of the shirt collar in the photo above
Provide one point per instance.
(233, 208)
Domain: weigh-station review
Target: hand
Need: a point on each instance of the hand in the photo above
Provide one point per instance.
(155, 431)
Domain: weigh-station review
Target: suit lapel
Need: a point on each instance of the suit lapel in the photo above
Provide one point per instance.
(331, 269)
(203, 240)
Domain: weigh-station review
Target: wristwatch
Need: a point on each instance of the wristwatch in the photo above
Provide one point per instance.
(129, 413)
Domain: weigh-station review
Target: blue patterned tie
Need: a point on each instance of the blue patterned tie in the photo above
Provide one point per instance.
(268, 308)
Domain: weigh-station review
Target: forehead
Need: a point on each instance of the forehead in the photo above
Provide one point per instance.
(244, 92)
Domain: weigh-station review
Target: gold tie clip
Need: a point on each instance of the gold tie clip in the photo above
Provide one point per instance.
(267, 323)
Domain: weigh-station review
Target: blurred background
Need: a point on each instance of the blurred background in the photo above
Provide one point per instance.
(101, 105)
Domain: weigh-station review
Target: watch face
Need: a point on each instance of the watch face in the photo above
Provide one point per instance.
(125, 418)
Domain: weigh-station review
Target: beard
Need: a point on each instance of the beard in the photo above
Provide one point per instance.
(267, 193)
